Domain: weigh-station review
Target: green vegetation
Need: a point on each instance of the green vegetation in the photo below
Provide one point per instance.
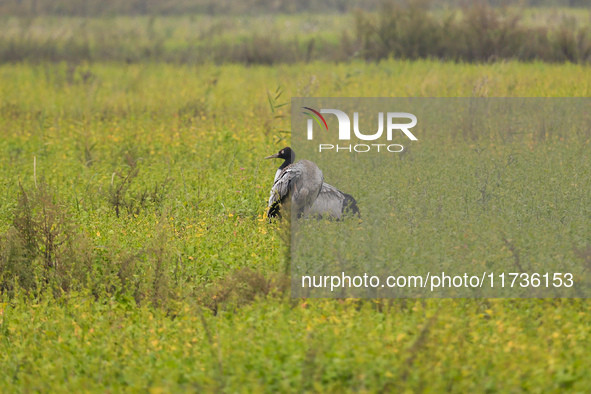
(276, 345)
(135, 255)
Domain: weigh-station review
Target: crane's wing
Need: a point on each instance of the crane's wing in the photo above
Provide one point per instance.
(331, 202)
(282, 186)
(302, 181)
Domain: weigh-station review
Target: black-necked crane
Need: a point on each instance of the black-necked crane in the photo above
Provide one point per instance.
(328, 201)
(301, 182)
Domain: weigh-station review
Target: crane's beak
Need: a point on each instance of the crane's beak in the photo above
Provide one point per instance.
(276, 155)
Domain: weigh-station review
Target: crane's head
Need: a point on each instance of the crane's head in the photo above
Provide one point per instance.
(285, 154)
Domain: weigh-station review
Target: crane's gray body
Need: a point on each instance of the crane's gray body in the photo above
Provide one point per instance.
(333, 203)
(303, 180)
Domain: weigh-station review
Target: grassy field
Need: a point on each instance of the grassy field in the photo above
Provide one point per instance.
(135, 255)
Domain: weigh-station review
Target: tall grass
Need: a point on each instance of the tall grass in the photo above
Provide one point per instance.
(478, 34)
(410, 30)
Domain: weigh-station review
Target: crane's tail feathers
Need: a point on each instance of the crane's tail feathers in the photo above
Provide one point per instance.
(274, 211)
(278, 208)
(350, 205)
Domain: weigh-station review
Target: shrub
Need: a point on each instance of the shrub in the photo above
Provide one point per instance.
(42, 247)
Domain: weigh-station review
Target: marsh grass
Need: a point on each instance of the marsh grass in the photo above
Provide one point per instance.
(416, 29)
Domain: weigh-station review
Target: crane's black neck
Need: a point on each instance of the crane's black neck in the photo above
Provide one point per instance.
(285, 164)
(288, 160)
